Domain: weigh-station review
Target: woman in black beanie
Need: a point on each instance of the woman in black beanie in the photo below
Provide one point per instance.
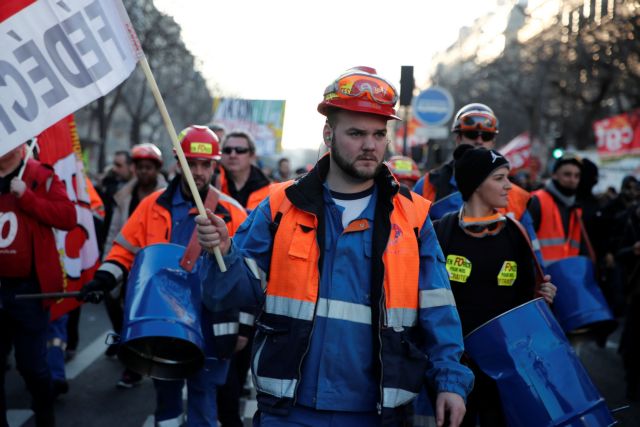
(489, 260)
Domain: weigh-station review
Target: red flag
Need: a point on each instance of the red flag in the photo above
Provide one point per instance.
(618, 136)
(78, 248)
(518, 152)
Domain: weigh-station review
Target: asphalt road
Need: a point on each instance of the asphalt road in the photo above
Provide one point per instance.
(93, 399)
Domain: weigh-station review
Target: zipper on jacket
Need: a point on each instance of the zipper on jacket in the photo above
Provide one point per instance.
(383, 314)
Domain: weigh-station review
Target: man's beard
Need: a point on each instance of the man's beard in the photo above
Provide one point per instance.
(349, 168)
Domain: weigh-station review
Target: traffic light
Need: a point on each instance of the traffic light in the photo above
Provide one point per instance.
(557, 153)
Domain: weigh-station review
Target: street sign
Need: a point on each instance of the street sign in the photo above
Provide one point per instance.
(433, 107)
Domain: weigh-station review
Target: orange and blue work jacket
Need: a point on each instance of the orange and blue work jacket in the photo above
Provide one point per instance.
(554, 242)
(152, 222)
(355, 318)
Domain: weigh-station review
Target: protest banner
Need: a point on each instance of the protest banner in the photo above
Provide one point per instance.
(56, 57)
(618, 136)
(263, 119)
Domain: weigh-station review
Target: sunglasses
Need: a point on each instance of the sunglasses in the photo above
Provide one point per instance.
(360, 85)
(474, 134)
(238, 150)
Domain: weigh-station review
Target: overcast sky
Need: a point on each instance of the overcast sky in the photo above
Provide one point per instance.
(291, 50)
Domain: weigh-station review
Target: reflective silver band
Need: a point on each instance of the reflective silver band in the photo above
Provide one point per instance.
(246, 318)
(401, 317)
(394, 397)
(436, 298)
(290, 307)
(120, 239)
(228, 328)
(113, 269)
(342, 310)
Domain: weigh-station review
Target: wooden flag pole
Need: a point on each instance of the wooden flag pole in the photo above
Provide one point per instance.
(176, 145)
(27, 156)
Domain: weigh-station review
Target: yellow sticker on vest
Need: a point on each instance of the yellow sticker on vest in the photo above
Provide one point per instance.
(508, 273)
(459, 268)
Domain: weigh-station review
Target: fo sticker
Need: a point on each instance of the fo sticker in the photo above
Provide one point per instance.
(201, 148)
(508, 273)
(459, 268)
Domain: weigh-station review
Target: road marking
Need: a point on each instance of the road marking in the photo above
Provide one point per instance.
(87, 356)
(17, 417)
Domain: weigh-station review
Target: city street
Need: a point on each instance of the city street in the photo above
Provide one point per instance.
(93, 399)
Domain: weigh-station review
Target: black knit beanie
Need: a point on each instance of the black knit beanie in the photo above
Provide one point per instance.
(473, 166)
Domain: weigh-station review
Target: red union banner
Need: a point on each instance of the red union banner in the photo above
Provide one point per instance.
(618, 136)
(56, 57)
(78, 248)
(518, 152)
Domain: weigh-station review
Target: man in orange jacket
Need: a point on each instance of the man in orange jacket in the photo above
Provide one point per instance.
(556, 217)
(168, 216)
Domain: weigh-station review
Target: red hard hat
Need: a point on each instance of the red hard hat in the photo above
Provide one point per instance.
(361, 89)
(475, 116)
(147, 151)
(404, 168)
(199, 142)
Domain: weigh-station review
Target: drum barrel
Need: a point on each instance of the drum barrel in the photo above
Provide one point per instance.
(161, 335)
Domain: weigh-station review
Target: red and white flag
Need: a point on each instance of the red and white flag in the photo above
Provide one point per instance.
(56, 57)
(78, 248)
(618, 136)
(518, 152)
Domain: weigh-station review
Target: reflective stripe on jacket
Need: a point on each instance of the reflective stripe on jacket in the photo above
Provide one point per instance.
(554, 243)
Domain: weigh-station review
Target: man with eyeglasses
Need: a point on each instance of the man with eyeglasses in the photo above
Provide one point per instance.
(474, 124)
(239, 177)
(357, 310)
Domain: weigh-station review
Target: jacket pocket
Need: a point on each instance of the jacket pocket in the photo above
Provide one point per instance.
(404, 363)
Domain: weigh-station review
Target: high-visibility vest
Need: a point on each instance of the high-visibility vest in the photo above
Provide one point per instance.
(554, 243)
(292, 297)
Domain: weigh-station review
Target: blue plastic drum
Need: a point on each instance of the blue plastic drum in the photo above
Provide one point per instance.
(540, 378)
(579, 303)
(161, 335)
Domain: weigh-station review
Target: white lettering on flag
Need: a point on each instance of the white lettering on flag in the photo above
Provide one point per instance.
(56, 57)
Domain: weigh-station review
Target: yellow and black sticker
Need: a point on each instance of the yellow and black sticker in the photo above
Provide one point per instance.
(459, 268)
(201, 148)
(508, 273)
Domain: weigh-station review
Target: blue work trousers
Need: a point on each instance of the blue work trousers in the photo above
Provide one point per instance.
(56, 344)
(201, 401)
(301, 416)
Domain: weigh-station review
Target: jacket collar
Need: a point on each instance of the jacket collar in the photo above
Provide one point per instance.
(306, 192)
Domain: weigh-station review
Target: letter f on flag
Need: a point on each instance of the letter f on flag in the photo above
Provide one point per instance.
(56, 57)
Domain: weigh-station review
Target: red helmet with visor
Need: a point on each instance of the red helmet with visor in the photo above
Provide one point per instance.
(362, 90)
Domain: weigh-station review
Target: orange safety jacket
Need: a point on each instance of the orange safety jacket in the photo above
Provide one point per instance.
(292, 295)
(554, 244)
(150, 223)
